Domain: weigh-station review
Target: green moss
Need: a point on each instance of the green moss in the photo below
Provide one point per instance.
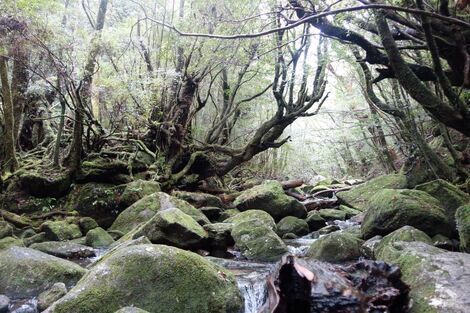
(5, 229)
(336, 247)
(199, 199)
(256, 217)
(291, 224)
(60, 230)
(405, 233)
(332, 214)
(98, 238)
(315, 221)
(8, 242)
(462, 217)
(226, 214)
(350, 212)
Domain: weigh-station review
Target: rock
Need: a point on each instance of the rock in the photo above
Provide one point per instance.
(8, 242)
(136, 190)
(405, 234)
(219, 235)
(211, 212)
(328, 229)
(270, 197)
(173, 227)
(438, 279)
(64, 249)
(46, 298)
(443, 242)
(104, 170)
(255, 217)
(462, 217)
(6, 230)
(332, 215)
(27, 272)
(289, 236)
(144, 209)
(86, 224)
(28, 233)
(41, 237)
(369, 246)
(228, 214)
(291, 224)
(98, 238)
(155, 278)
(350, 212)
(390, 209)
(335, 248)
(359, 196)
(258, 241)
(15, 219)
(315, 221)
(199, 199)
(130, 309)
(60, 230)
(43, 185)
(449, 196)
(29, 307)
(4, 304)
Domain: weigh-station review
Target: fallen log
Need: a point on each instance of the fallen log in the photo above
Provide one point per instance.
(294, 183)
(312, 204)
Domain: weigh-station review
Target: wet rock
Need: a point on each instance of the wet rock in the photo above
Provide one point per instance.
(60, 230)
(330, 215)
(29, 307)
(315, 221)
(4, 304)
(328, 229)
(462, 217)
(27, 272)
(335, 248)
(173, 227)
(199, 199)
(405, 234)
(98, 238)
(144, 209)
(147, 276)
(390, 209)
(438, 279)
(369, 246)
(293, 225)
(255, 217)
(41, 237)
(64, 249)
(270, 197)
(46, 298)
(258, 241)
(8, 242)
(219, 235)
(131, 309)
(6, 230)
(359, 196)
(211, 212)
(86, 224)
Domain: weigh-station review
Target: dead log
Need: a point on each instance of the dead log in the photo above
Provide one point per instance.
(288, 184)
(318, 204)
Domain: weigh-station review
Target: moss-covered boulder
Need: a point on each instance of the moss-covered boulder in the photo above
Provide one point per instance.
(332, 215)
(462, 216)
(255, 217)
(155, 278)
(226, 214)
(43, 185)
(199, 199)
(258, 242)
(41, 237)
(46, 298)
(270, 197)
(406, 234)
(293, 225)
(391, 209)
(15, 219)
(5, 229)
(369, 246)
(449, 196)
(147, 207)
(8, 242)
(173, 227)
(131, 309)
(86, 224)
(60, 230)
(438, 279)
(336, 247)
(98, 238)
(211, 212)
(219, 235)
(64, 249)
(136, 190)
(359, 196)
(315, 221)
(27, 272)
(350, 212)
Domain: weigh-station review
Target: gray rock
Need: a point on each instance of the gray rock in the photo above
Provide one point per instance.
(368, 247)
(98, 238)
(64, 249)
(131, 309)
(4, 304)
(46, 298)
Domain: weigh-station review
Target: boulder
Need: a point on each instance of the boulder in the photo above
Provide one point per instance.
(199, 199)
(332, 215)
(293, 225)
(8, 242)
(172, 227)
(60, 230)
(27, 233)
(211, 212)
(27, 272)
(328, 229)
(462, 217)
(391, 209)
(15, 219)
(315, 221)
(41, 237)
(270, 197)
(335, 248)
(4, 304)
(42, 185)
(144, 209)
(136, 190)
(350, 212)
(369, 246)
(444, 242)
(255, 217)
(131, 309)
(6, 229)
(359, 196)
(449, 196)
(98, 238)
(86, 224)
(438, 279)
(219, 235)
(64, 249)
(46, 298)
(405, 234)
(155, 278)
(258, 242)
(228, 214)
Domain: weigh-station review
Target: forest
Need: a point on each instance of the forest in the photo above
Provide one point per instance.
(248, 156)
